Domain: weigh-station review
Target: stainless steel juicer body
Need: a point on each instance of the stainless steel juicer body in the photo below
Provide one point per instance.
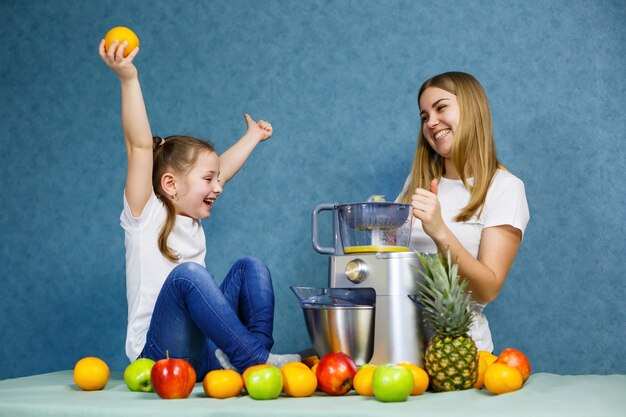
(398, 330)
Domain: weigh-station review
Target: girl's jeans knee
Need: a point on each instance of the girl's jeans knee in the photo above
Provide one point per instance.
(193, 315)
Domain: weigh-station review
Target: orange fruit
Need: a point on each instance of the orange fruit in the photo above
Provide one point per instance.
(91, 374)
(296, 364)
(122, 34)
(515, 359)
(222, 383)
(500, 379)
(310, 361)
(362, 381)
(252, 369)
(314, 368)
(298, 380)
(420, 378)
(484, 360)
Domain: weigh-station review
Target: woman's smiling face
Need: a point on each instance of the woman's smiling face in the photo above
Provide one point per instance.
(440, 115)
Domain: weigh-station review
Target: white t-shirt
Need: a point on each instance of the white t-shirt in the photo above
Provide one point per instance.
(505, 204)
(147, 268)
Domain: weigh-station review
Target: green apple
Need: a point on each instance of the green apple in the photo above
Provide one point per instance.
(265, 383)
(137, 375)
(392, 383)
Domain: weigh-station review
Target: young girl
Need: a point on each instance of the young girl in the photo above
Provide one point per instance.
(174, 303)
(464, 199)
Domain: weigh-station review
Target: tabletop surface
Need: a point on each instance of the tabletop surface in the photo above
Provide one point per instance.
(54, 394)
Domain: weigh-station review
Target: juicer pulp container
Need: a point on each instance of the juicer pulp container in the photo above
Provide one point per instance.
(340, 320)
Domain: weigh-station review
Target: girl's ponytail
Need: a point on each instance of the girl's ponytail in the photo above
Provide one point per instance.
(157, 155)
(168, 252)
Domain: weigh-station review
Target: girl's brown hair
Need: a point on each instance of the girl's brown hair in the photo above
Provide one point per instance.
(473, 150)
(175, 154)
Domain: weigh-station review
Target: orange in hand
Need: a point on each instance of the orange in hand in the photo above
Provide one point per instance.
(222, 383)
(121, 34)
(91, 374)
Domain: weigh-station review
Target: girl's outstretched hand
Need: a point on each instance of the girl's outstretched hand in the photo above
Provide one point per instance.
(261, 129)
(427, 209)
(114, 58)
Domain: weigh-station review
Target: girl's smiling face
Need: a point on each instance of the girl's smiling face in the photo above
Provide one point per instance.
(440, 115)
(199, 188)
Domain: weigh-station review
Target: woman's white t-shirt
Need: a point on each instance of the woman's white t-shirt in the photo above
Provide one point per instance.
(147, 268)
(505, 204)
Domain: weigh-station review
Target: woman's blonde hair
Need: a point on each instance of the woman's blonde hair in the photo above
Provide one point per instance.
(473, 150)
(177, 154)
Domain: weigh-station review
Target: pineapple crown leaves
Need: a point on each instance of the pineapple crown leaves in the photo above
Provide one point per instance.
(444, 295)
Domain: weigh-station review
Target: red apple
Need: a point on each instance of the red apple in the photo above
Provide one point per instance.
(515, 359)
(173, 378)
(335, 372)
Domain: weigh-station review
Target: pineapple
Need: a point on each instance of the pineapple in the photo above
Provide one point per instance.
(450, 359)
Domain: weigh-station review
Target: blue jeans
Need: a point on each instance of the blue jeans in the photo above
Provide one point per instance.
(193, 316)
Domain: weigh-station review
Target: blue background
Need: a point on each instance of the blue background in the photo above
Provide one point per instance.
(338, 81)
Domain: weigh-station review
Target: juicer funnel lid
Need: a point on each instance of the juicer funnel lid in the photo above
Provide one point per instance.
(374, 215)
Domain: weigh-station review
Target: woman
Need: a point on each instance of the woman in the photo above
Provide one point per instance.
(464, 199)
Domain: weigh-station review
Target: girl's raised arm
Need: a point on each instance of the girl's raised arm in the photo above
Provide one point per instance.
(236, 156)
(135, 124)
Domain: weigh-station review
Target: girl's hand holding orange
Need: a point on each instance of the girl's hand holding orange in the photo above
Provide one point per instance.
(114, 58)
(121, 34)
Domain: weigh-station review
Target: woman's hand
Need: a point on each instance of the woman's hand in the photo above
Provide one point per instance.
(114, 58)
(260, 130)
(427, 209)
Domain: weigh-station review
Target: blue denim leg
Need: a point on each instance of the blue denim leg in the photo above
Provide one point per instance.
(248, 289)
(192, 316)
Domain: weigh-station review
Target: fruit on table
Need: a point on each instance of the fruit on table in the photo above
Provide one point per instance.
(392, 383)
(250, 369)
(420, 378)
(264, 383)
(335, 372)
(515, 359)
(362, 381)
(450, 359)
(310, 361)
(222, 383)
(298, 380)
(91, 373)
(172, 378)
(500, 379)
(121, 34)
(314, 368)
(484, 360)
(137, 375)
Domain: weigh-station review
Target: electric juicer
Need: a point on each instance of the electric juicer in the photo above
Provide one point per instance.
(371, 250)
